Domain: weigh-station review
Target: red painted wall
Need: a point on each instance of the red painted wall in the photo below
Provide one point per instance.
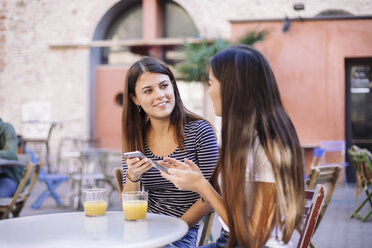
(308, 62)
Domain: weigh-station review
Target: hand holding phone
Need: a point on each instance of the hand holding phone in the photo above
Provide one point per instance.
(138, 154)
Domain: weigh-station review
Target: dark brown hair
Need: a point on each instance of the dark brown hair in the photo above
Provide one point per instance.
(251, 107)
(135, 123)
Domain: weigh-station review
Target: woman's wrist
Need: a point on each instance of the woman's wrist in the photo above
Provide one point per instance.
(133, 179)
(203, 188)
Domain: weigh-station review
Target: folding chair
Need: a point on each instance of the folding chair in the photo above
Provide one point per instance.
(362, 164)
(317, 157)
(207, 220)
(15, 203)
(328, 176)
(205, 235)
(312, 212)
(51, 180)
(112, 163)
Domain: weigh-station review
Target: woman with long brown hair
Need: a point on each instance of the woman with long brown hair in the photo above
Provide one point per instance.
(259, 177)
(155, 122)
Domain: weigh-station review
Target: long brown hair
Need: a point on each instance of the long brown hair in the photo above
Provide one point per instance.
(251, 107)
(135, 123)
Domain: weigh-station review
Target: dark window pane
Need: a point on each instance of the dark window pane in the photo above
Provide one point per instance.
(361, 103)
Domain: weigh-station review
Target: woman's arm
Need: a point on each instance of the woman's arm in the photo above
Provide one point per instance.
(187, 176)
(9, 147)
(197, 211)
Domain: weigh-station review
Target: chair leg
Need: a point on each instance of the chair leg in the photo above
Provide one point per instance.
(52, 186)
(367, 216)
(368, 194)
(364, 218)
(49, 191)
(17, 210)
(5, 214)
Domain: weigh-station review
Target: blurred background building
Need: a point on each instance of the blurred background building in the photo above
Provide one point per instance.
(65, 61)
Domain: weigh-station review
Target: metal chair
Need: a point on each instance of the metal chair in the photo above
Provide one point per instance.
(89, 174)
(41, 146)
(51, 181)
(312, 211)
(362, 164)
(13, 205)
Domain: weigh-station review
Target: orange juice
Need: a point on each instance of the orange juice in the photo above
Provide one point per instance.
(135, 210)
(95, 208)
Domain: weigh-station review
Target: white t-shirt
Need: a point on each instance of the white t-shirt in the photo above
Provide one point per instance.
(258, 169)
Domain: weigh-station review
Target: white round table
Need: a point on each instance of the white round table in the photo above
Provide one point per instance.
(76, 230)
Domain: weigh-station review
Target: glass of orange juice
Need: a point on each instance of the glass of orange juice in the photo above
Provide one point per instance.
(134, 205)
(95, 201)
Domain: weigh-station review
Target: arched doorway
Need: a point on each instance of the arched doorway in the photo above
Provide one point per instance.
(135, 28)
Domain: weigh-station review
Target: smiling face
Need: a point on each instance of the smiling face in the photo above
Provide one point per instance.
(214, 92)
(155, 94)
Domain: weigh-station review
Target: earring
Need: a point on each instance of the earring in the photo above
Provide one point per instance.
(139, 108)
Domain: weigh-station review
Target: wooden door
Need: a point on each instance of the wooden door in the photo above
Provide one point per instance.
(109, 88)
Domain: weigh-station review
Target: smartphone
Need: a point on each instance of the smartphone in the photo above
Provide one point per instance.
(138, 154)
(135, 154)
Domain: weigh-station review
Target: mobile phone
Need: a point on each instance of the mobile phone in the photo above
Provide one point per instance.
(135, 154)
(159, 166)
(138, 154)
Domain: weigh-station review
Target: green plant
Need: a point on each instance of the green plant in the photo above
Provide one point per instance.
(197, 56)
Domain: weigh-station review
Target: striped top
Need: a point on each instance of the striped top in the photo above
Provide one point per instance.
(202, 149)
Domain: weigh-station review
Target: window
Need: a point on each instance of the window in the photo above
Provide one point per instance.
(177, 23)
(127, 26)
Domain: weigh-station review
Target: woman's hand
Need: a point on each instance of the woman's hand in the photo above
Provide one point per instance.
(136, 167)
(185, 176)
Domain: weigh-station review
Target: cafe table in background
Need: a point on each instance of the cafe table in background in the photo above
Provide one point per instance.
(77, 230)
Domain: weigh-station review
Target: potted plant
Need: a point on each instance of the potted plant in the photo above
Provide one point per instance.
(193, 67)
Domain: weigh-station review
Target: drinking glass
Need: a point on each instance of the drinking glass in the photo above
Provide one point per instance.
(95, 201)
(135, 205)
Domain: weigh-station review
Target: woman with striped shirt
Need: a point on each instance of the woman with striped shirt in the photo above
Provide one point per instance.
(155, 122)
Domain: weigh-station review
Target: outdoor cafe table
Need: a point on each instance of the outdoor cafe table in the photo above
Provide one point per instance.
(74, 229)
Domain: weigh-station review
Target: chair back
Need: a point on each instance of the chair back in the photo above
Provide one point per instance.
(362, 164)
(15, 203)
(328, 176)
(312, 211)
(119, 179)
(67, 153)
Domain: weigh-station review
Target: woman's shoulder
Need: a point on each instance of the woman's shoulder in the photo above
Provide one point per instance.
(199, 124)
